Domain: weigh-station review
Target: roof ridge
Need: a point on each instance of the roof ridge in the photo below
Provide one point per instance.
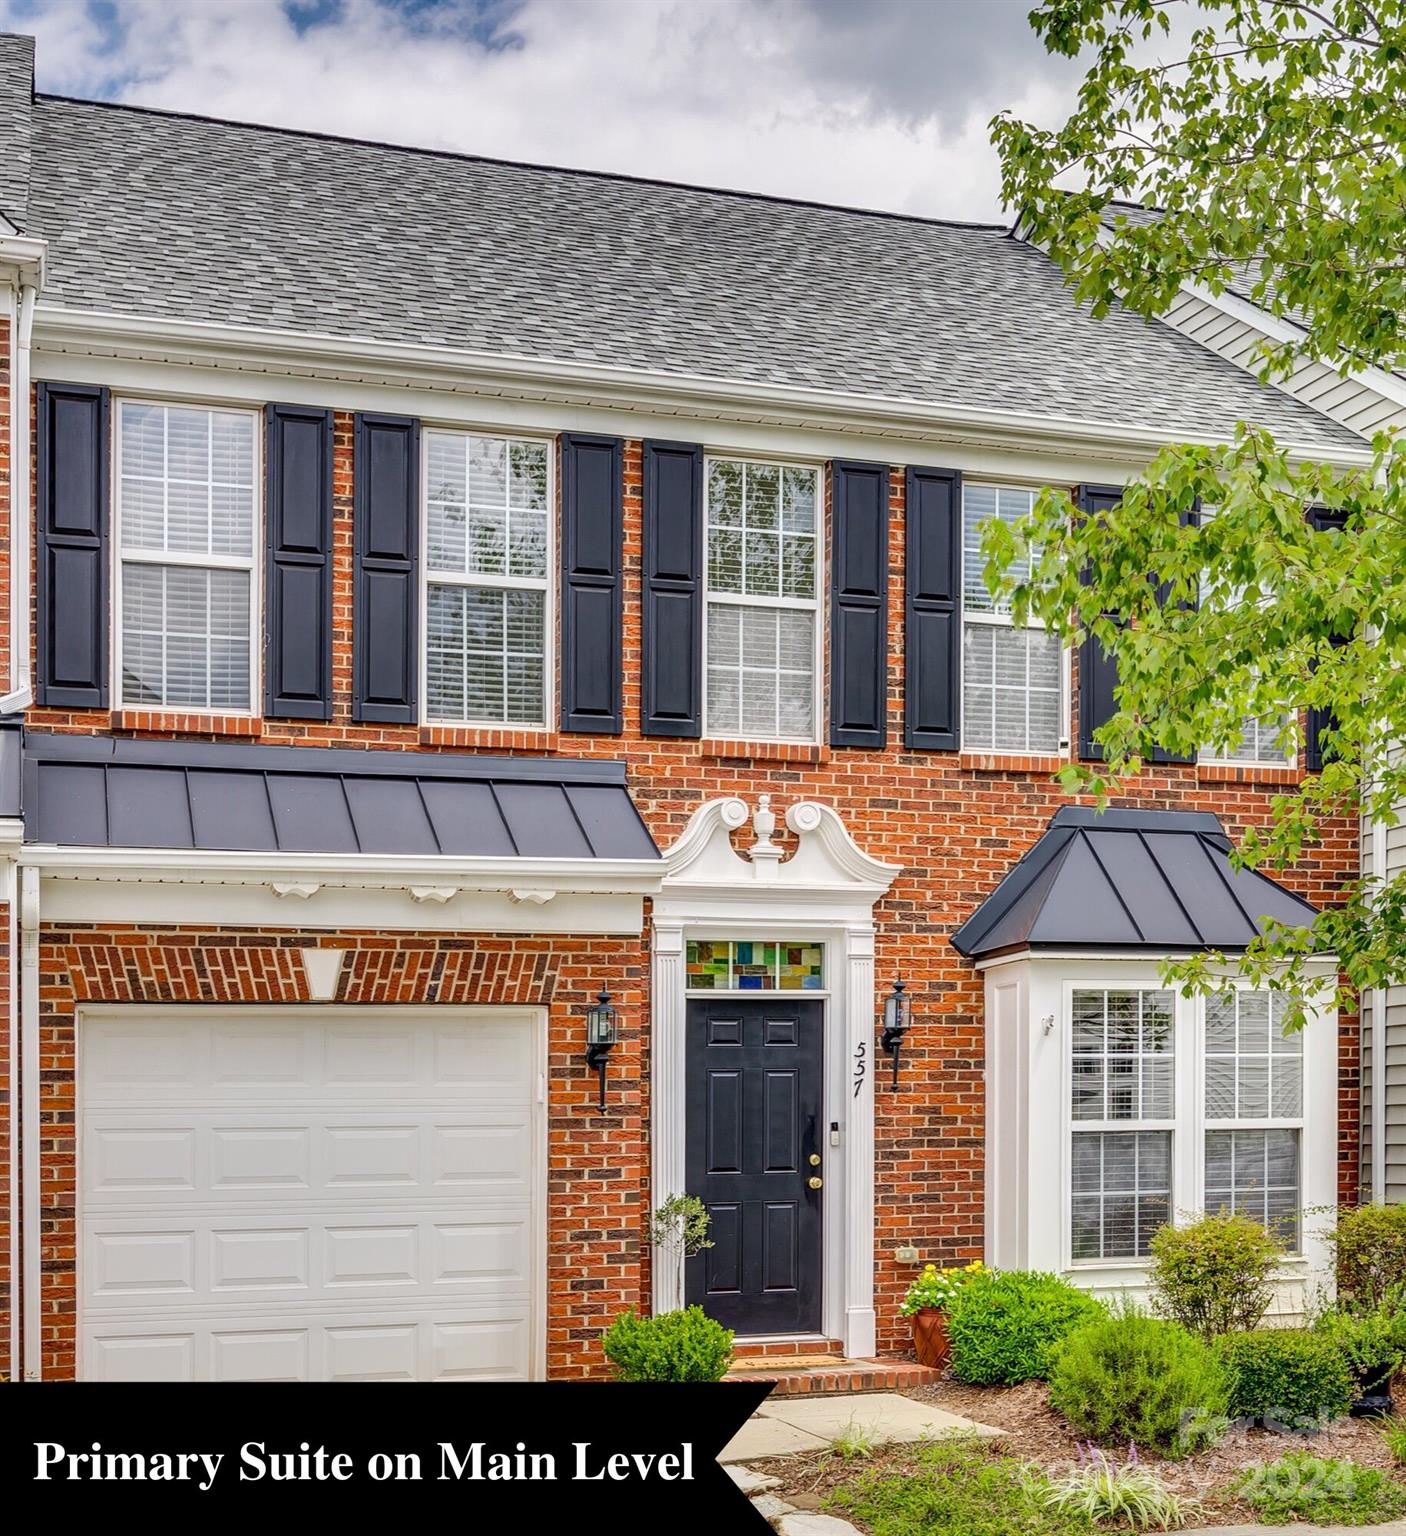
(465, 156)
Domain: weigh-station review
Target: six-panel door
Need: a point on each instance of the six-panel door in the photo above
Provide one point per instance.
(755, 1155)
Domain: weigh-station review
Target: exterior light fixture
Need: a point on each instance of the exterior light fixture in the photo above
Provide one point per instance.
(898, 1016)
(601, 1035)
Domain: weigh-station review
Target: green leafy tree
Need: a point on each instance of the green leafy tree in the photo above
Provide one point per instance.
(1264, 142)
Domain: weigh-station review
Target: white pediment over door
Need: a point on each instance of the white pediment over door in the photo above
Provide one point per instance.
(826, 864)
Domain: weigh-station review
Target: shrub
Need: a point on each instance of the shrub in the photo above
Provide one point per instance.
(1137, 1378)
(1395, 1437)
(1213, 1276)
(674, 1346)
(1005, 1327)
(1369, 1250)
(1369, 1341)
(1287, 1376)
(1131, 1494)
(1322, 1489)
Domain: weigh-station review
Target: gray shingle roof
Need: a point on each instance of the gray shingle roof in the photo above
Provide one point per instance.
(1134, 880)
(94, 791)
(149, 213)
(16, 108)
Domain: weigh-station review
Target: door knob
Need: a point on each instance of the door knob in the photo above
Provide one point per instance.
(814, 1159)
(815, 1181)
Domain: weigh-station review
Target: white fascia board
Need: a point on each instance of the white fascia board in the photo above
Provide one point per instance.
(24, 254)
(370, 871)
(1272, 328)
(11, 835)
(269, 352)
(1067, 957)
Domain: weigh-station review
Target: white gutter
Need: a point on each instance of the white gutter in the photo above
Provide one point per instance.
(30, 1208)
(371, 871)
(311, 355)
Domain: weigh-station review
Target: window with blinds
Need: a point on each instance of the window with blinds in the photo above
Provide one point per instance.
(1123, 1108)
(762, 606)
(1254, 1110)
(187, 592)
(1012, 677)
(487, 590)
(1260, 739)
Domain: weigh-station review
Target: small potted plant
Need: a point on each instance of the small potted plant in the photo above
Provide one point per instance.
(926, 1304)
(1371, 1341)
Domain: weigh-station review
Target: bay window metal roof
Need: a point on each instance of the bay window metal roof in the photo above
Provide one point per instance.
(1128, 880)
(94, 791)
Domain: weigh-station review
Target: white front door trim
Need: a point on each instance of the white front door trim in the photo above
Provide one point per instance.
(824, 893)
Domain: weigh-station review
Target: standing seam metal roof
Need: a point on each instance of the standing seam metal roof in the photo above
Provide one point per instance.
(1126, 879)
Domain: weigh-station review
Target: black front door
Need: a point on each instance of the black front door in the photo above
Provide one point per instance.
(755, 1147)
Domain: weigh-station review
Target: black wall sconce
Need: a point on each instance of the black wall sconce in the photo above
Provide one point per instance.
(898, 1016)
(601, 1035)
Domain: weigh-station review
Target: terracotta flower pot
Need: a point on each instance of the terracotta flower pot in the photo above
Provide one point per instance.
(930, 1341)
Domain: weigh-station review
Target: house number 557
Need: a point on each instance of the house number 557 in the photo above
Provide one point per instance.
(861, 1052)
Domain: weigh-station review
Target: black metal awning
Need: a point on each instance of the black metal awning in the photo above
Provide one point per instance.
(1128, 880)
(95, 791)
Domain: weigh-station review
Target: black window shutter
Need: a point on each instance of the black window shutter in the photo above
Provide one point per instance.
(672, 636)
(298, 626)
(859, 594)
(72, 518)
(933, 610)
(1321, 721)
(592, 548)
(1098, 671)
(385, 605)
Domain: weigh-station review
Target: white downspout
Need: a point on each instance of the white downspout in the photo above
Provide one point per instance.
(1379, 1011)
(29, 1122)
(21, 694)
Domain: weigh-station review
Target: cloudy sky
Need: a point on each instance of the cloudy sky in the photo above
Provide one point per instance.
(874, 103)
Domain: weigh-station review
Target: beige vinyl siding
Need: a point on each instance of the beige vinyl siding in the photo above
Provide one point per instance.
(1393, 1079)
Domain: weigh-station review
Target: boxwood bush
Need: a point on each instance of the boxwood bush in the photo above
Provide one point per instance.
(1286, 1376)
(1140, 1379)
(1005, 1326)
(674, 1346)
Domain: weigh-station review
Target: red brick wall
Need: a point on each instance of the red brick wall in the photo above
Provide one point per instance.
(955, 822)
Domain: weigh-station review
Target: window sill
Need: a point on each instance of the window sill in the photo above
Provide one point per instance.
(1248, 773)
(179, 723)
(496, 738)
(1013, 762)
(765, 751)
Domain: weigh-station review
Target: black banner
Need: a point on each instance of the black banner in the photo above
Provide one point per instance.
(632, 1456)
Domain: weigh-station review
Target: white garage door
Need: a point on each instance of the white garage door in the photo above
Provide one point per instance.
(315, 1195)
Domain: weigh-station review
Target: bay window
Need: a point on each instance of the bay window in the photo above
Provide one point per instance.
(1012, 675)
(763, 539)
(487, 559)
(186, 584)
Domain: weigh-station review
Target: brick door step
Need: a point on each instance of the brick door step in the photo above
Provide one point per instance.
(777, 1347)
(810, 1376)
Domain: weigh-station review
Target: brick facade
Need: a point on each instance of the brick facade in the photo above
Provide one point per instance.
(954, 822)
(9, 1103)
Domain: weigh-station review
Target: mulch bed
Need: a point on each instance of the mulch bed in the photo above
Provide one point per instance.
(1033, 1431)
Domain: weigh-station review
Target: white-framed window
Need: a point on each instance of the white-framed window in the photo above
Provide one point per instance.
(1254, 1110)
(1123, 1106)
(186, 594)
(762, 636)
(1259, 740)
(487, 560)
(1013, 677)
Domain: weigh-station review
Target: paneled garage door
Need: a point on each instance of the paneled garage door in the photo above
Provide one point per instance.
(315, 1195)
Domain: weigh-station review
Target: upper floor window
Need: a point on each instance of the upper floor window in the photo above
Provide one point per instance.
(763, 615)
(1012, 676)
(487, 559)
(186, 588)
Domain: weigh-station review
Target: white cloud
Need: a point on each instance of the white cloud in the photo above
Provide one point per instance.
(779, 96)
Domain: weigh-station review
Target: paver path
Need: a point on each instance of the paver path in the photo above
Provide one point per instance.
(784, 1428)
